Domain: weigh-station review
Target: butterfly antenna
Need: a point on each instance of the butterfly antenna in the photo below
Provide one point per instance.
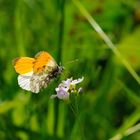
(72, 61)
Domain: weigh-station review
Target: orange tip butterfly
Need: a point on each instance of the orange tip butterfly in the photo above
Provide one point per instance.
(36, 73)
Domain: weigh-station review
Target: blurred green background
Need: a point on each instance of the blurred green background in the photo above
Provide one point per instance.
(110, 103)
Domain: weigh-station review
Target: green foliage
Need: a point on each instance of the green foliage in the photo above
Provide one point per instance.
(109, 105)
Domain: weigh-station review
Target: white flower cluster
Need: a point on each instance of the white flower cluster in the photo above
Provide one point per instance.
(66, 87)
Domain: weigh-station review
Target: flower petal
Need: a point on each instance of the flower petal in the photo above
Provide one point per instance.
(66, 83)
(80, 90)
(79, 80)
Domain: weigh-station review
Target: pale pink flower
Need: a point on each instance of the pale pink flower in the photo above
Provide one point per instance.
(66, 87)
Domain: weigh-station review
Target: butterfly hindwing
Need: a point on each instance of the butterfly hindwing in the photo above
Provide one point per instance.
(24, 81)
(39, 81)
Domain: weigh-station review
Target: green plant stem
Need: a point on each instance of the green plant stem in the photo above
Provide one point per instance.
(106, 39)
(59, 56)
(19, 29)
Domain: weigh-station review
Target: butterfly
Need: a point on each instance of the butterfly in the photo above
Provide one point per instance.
(36, 73)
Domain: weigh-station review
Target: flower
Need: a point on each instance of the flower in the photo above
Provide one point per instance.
(66, 87)
(62, 93)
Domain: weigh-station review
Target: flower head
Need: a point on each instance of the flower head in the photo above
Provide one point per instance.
(66, 87)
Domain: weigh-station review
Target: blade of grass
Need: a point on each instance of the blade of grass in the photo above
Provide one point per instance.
(127, 129)
(127, 132)
(106, 39)
(130, 94)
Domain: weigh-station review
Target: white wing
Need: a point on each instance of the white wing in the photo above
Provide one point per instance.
(24, 81)
(33, 82)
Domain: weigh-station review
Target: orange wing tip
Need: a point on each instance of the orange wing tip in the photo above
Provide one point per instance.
(23, 65)
(43, 53)
(38, 54)
(42, 60)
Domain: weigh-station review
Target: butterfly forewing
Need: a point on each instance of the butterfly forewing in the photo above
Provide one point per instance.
(43, 61)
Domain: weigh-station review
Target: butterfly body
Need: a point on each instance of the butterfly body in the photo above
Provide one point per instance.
(36, 73)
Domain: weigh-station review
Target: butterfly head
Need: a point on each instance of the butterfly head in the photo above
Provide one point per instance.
(57, 71)
(60, 69)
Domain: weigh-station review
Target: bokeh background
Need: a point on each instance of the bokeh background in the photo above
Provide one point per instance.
(109, 107)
